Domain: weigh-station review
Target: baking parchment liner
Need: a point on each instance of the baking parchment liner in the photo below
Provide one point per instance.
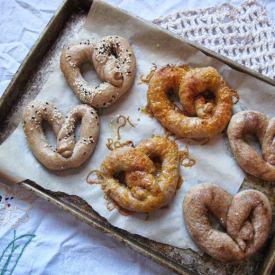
(214, 161)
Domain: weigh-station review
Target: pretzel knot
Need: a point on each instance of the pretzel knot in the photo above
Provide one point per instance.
(245, 217)
(69, 153)
(133, 180)
(257, 124)
(205, 98)
(114, 62)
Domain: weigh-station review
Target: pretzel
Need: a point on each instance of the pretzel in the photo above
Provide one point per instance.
(68, 153)
(253, 123)
(246, 218)
(114, 62)
(146, 188)
(201, 117)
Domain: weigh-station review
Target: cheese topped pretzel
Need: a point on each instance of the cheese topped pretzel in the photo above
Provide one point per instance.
(145, 188)
(200, 117)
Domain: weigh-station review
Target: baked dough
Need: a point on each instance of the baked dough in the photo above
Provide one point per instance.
(146, 188)
(68, 153)
(253, 123)
(114, 62)
(246, 218)
(199, 118)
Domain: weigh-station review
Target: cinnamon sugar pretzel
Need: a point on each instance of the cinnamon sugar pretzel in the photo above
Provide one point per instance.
(246, 218)
(253, 123)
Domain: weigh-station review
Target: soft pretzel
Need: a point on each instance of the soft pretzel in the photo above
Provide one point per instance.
(68, 153)
(190, 85)
(146, 188)
(253, 123)
(245, 217)
(114, 62)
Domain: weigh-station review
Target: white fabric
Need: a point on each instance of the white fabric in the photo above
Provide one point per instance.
(243, 33)
(63, 245)
(212, 159)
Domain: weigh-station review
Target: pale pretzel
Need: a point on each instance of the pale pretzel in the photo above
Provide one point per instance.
(69, 153)
(146, 188)
(114, 62)
(200, 118)
(246, 218)
(253, 123)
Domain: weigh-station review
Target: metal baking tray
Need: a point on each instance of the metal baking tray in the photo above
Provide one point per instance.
(27, 83)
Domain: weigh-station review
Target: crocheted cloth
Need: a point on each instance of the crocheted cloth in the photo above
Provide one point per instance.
(242, 33)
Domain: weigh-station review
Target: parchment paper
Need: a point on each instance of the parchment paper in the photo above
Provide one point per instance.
(214, 162)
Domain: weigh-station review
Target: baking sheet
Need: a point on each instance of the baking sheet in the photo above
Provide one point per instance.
(214, 161)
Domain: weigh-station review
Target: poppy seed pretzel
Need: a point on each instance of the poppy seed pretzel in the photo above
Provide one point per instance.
(146, 189)
(114, 62)
(258, 124)
(246, 218)
(69, 153)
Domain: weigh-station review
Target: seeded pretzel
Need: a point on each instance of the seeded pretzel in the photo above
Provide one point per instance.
(245, 217)
(69, 153)
(114, 62)
(253, 123)
(147, 188)
(200, 118)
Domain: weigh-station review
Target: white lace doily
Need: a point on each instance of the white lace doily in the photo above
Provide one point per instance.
(243, 33)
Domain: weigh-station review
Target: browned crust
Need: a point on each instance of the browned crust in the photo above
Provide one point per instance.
(190, 84)
(243, 235)
(145, 191)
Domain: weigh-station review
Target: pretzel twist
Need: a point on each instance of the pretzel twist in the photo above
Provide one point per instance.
(253, 123)
(114, 62)
(201, 117)
(68, 153)
(145, 188)
(245, 217)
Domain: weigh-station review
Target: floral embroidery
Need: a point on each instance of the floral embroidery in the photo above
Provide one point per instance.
(15, 205)
(12, 253)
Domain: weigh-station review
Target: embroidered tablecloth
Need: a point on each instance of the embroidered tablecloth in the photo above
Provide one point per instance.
(38, 238)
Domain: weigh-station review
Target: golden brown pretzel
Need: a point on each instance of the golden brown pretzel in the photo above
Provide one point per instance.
(147, 189)
(246, 217)
(114, 62)
(190, 85)
(253, 123)
(68, 154)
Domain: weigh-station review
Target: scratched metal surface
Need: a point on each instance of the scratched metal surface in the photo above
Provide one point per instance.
(179, 260)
